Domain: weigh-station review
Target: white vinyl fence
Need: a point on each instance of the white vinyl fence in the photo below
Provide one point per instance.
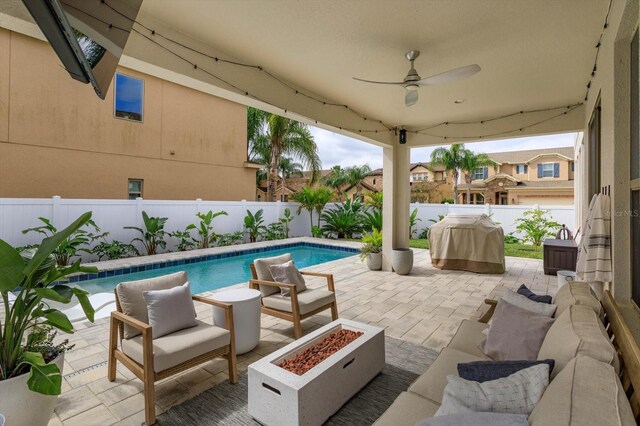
(112, 216)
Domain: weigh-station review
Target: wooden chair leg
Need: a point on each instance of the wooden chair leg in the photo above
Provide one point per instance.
(113, 345)
(334, 311)
(297, 328)
(233, 367)
(149, 379)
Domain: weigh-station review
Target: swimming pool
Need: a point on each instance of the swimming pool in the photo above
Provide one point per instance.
(213, 274)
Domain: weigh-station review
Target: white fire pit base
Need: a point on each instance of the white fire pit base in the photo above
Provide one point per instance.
(278, 397)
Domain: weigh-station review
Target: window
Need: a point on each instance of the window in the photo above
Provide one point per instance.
(479, 199)
(419, 176)
(374, 181)
(548, 170)
(128, 97)
(521, 169)
(135, 188)
(480, 173)
(635, 109)
(573, 166)
(593, 152)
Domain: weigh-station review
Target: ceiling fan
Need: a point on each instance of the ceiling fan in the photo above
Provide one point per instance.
(413, 80)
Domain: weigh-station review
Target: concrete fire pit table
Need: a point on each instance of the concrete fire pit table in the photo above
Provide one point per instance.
(278, 397)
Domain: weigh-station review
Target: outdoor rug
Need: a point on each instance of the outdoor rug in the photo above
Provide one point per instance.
(226, 404)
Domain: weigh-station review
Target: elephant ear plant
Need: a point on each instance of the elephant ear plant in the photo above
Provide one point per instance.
(32, 276)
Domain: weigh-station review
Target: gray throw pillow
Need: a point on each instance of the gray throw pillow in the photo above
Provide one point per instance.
(517, 394)
(524, 302)
(289, 274)
(170, 310)
(263, 273)
(484, 371)
(515, 333)
(476, 419)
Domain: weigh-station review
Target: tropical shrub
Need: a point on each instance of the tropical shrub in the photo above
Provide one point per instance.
(230, 238)
(316, 232)
(374, 199)
(286, 219)
(254, 224)
(511, 239)
(371, 243)
(447, 201)
(114, 250)
(185, 240)
(413, 222)
(372, 220)
(536, 226)
(72, 245)
(152, 236)
(206, 236)
(344, 220)
(306, 198)
(274, 231)
(33, 274)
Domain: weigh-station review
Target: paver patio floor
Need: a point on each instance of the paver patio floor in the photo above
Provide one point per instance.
(424, 308)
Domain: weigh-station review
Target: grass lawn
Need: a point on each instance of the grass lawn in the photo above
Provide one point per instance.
(516, 250)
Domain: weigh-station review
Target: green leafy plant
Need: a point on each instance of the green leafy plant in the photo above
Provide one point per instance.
(185, 240)
(316, 232)
(447, 201)
(152, 236)
(413, 222)
(511, 239)
(371, 243)
(274, 231)
(72, 245)
(536, 226)
(286, 220)
(254, 224)
(230, 239)
(34, 276)
(41, 340)
(114, 250)
(206, 236)
(372, 219)
(425, 232)
(345, 219)
(374, 199)
(313, 200)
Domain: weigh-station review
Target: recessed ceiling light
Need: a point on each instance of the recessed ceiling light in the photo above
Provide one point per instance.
(459, 101)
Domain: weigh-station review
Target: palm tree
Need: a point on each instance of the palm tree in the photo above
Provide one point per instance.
(451, 160)
(472, 161)
(321, 196)
(336, 179)
(306, 198)
(288, 168)
(356, 175)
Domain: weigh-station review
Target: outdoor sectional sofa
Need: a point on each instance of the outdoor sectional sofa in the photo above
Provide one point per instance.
(597, 367)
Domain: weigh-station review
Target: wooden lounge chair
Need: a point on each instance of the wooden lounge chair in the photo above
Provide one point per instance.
(297, 306)
(156, 359)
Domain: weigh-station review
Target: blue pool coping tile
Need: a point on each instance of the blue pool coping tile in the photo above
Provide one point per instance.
(203, 258)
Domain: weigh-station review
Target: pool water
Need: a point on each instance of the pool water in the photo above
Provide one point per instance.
(218, 273)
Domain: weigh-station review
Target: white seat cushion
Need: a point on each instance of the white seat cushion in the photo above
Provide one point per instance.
(468, 337)
(408, 409)
(178, 347)
(308, 300)
(432, 383)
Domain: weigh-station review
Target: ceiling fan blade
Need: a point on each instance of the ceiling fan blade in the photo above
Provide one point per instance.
(450, 76)
(410, 98)
(379, 82)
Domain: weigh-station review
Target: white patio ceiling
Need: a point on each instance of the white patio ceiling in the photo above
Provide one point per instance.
(534, 55)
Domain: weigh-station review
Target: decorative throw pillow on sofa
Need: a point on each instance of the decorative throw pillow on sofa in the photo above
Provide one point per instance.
(484, 371)
(170, 310)
(289, 274)
(516, 394)
(515, 333)
(545, 298)
(476, 419)
(525, 303)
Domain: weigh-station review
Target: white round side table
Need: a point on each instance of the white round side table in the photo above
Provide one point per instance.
(246, 316)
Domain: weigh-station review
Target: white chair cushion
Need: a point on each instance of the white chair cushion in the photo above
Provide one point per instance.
(263, 272)
(308, 300)
(130, 296)
(178, 347)
(170, 310)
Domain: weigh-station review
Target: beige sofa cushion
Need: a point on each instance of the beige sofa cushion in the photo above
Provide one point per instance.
(178, 347)
(578, 331)
(468, 337)
(432, 383)
(263, 272)
(544, 309)
(308, 300)
(130, 296)
(586, 392)
(408, 409)
(577, 293)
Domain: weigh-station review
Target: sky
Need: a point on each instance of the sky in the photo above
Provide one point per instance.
(336, 149)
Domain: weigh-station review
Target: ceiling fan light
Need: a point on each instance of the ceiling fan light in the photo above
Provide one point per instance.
(411, 96)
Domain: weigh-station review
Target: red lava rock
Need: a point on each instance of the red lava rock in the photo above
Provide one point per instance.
(317, 353)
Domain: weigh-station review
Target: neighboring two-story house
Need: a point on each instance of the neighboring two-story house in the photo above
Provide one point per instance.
(540, 176)
(428, 184)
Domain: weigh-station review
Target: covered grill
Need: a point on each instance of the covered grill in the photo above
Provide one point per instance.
(469, 243)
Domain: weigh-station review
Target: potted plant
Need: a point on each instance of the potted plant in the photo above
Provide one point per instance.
(27, 380)
(371, 249)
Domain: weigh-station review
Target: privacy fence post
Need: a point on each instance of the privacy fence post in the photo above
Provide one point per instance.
(487, 209)
(55, 212)
(139, 209)
(198, 205)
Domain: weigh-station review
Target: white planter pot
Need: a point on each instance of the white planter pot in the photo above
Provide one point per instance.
(23, 407)
(402, 260)
(374, 261)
